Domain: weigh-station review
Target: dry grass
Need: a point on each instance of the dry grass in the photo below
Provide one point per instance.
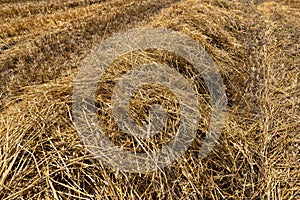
(255, 46)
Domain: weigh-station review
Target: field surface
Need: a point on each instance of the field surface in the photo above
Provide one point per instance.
(255, 47)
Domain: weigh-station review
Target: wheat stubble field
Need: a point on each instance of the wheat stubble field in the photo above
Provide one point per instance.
(255, 46)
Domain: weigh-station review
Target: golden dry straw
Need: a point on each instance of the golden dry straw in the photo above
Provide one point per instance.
(255, 46)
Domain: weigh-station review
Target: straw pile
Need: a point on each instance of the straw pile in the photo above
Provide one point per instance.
(255, 46)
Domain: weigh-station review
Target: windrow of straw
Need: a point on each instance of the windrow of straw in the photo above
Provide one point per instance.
(255, 47)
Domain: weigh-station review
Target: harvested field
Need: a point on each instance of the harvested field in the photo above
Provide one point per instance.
(255, 46)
